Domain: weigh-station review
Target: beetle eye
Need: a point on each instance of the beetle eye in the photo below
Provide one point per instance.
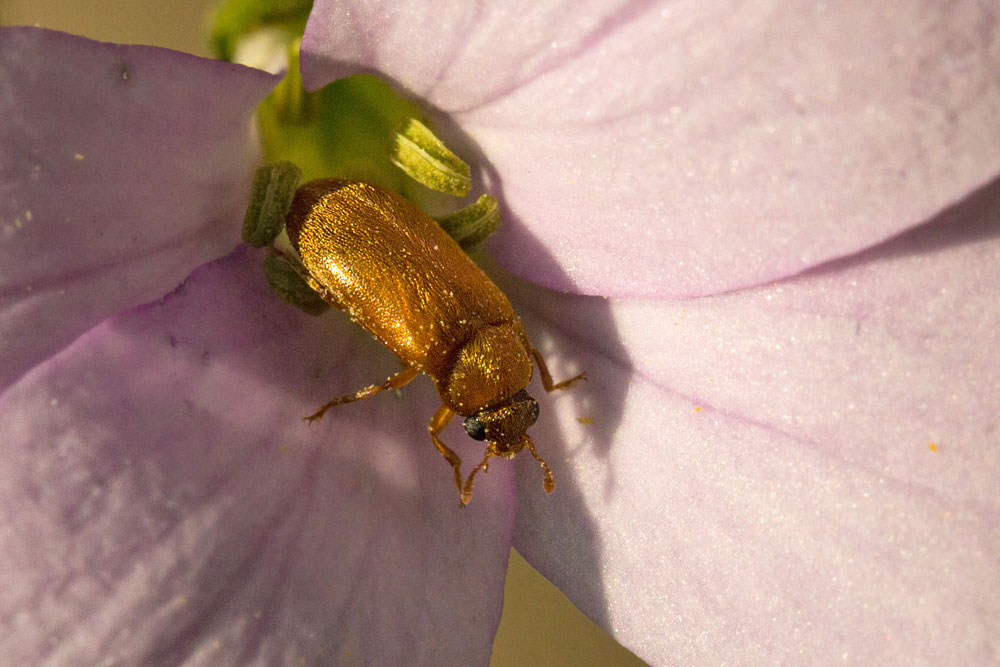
(475, 428)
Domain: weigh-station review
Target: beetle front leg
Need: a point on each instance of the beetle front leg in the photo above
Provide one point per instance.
(543, 370)
(441, 419)
(398, 380)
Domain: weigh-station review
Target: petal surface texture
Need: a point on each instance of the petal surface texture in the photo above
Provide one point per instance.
(802, 473)
(164, 503)
(687, 148)
(121, 169)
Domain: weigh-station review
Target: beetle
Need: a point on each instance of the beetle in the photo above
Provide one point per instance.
(396, 272)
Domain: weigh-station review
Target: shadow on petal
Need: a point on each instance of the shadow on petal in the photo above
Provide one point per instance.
(974, 219)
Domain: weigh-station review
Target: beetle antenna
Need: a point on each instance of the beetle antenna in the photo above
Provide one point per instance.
(484, 466)
(548, 480)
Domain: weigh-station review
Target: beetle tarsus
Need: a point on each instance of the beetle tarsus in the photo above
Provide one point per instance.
(548, 479)
(466, 491)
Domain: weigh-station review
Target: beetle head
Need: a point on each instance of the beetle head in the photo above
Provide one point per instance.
(503, 426)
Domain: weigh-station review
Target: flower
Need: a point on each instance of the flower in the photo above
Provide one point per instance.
(792, 455)
(757, 478)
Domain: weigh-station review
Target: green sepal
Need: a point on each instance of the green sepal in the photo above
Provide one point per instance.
(425, 159)
(474, 223)
(274, 188)
(284, 278)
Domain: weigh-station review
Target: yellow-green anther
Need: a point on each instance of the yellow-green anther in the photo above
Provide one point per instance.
(425, 159)
(285, 279)
(273, 189)
(474, 223)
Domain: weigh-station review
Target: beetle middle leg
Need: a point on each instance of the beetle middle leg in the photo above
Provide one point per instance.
(395, 382)
(441, 419)
(547, 382)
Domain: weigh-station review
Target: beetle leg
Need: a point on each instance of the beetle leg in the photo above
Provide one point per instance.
(484, 466)
(438, 422)
(396, 381)
(543, 370)
(548, 480)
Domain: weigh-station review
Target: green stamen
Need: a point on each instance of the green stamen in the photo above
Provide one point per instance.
(284, 278)
(273, 190)
(294, 105)
(474, 223)
(424, 158)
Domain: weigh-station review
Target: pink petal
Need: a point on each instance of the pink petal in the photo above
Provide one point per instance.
(798, 473)
(164, 503)
(121, 168)
(663, 148)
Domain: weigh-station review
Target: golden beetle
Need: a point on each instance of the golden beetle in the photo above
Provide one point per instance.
(397, 273)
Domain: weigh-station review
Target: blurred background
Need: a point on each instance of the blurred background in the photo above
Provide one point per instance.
(539, 626)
